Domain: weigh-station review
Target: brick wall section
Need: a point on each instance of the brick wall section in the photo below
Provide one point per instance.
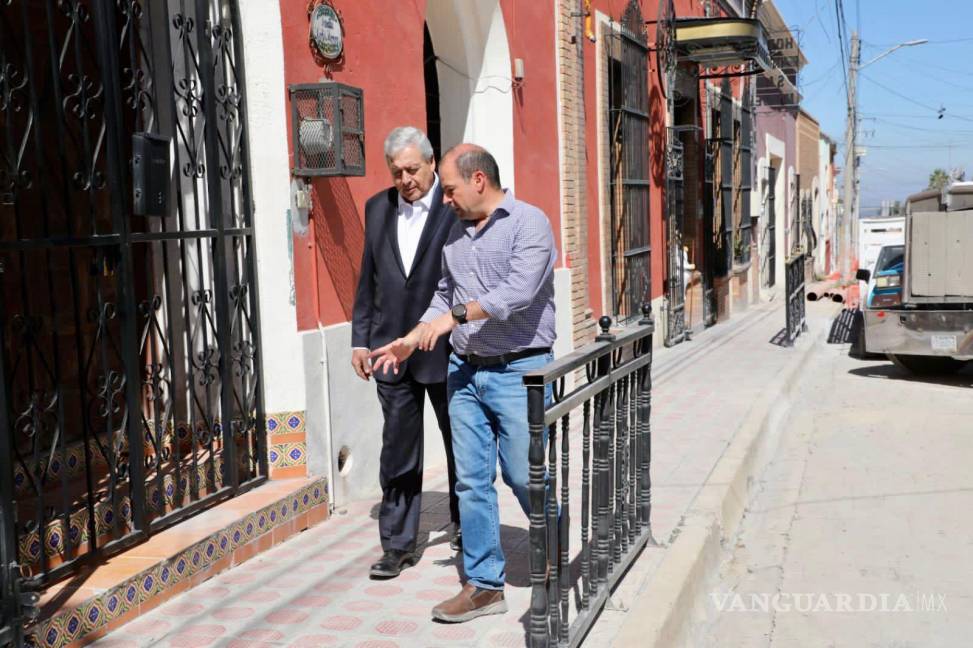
(574, 204)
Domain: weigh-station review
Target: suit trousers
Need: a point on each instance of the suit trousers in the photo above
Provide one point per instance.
(400, 472)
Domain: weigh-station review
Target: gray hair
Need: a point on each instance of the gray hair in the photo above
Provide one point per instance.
(404, 137)
(475, 159)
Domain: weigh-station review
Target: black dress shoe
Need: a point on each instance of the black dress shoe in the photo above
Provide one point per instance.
(392, 562)
(456, 539)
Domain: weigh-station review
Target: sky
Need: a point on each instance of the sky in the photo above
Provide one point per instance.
(900, 128)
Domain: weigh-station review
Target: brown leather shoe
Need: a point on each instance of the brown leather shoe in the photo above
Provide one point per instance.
(470, 603)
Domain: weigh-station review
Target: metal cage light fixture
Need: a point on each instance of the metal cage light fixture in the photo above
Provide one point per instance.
(328, 123)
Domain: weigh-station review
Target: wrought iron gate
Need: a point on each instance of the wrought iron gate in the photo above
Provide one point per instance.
(771, 226)
(667, 66)
(628, 122)
(131, 373)
(727, 225)
(710, 303)
(676, 314)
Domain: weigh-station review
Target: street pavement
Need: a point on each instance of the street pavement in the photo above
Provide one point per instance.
(861, 523)
(314, 590)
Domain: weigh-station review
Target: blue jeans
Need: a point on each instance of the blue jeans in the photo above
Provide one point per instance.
(488, 415)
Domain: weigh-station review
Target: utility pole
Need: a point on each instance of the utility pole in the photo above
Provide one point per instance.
(851, 160)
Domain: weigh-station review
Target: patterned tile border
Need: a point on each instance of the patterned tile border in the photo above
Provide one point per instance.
(58, 544)
(288, 454)
(286, 442)
(286, 423)
(92, 615)
(60, 540)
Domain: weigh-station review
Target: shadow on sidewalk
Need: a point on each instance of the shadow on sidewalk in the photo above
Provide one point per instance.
(889, 371)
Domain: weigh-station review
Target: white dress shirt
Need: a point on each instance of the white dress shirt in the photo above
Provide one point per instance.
(411, 219)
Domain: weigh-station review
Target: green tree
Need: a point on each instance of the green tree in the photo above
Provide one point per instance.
(938, 179)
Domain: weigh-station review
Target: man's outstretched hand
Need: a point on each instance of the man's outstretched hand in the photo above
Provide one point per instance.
(394, 353)
(422, 337)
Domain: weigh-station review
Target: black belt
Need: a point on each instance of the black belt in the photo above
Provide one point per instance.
(492, 361)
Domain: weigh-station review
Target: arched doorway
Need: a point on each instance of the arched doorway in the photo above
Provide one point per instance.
(431, 76)
(473, 78)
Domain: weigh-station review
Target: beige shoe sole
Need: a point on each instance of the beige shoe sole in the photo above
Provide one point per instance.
(500, 607)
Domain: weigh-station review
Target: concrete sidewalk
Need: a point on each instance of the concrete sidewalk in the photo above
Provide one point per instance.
(314, 589)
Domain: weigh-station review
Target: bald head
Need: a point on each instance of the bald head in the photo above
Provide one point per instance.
(470, 159)
(470, 180)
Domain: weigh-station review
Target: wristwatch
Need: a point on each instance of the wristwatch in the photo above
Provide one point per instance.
(459, 313)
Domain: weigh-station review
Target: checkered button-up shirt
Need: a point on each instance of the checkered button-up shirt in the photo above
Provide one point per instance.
(508, 268)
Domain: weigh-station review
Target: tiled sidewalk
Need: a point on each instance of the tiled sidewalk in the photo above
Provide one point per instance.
(314, 590)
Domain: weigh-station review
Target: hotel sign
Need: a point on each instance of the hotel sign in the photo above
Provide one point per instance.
(786, 63)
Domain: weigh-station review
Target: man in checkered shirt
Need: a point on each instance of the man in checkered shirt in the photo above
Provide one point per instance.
(496, 300)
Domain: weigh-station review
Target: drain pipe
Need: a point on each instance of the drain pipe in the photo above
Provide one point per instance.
(328, 447)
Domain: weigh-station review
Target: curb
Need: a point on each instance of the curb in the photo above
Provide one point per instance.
(659, 614)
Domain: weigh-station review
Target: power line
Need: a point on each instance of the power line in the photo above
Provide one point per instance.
(918, 128)
(838, 11)
(914, 116)
(910, 99)
(930, 42)
(823, 76)
(889, 147)
(927, 74)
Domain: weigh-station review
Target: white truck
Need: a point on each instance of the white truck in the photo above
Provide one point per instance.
(876, 233)
(919, 313)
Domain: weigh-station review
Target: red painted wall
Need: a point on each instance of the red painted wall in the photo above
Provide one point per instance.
(383, 56)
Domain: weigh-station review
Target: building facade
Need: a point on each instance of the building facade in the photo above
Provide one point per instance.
(177, 283)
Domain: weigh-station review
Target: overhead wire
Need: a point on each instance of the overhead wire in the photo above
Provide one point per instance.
(910, 99)
(919, 128)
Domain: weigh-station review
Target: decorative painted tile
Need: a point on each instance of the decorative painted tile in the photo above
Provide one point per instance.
(73, 625)
(52, 636)
(286, 423)
(148, 585)
(94, 615)
(282, 455)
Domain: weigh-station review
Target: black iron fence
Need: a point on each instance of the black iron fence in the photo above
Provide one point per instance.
(603, 416)
(130, 392)
(796, 314)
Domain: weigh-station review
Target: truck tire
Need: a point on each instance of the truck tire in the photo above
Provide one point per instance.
(927, 365)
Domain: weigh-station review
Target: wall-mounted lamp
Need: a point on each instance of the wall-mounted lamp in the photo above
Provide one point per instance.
(328, 123)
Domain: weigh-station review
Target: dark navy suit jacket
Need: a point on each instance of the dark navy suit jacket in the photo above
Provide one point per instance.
(388, 304)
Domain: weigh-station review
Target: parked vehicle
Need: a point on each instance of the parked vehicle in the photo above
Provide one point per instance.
(885, 284)
(874, 234)
(918, 309)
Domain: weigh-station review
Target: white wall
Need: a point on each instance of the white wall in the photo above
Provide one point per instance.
(263, 52)
(476, 100)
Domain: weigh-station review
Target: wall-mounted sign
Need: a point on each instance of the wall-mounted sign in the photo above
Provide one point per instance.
(326, 31)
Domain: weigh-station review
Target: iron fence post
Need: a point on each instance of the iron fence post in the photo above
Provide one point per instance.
(539, 631)
(644, 427)
(600, 464)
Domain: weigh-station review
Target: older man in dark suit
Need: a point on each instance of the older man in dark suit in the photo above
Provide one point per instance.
(406, 227)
